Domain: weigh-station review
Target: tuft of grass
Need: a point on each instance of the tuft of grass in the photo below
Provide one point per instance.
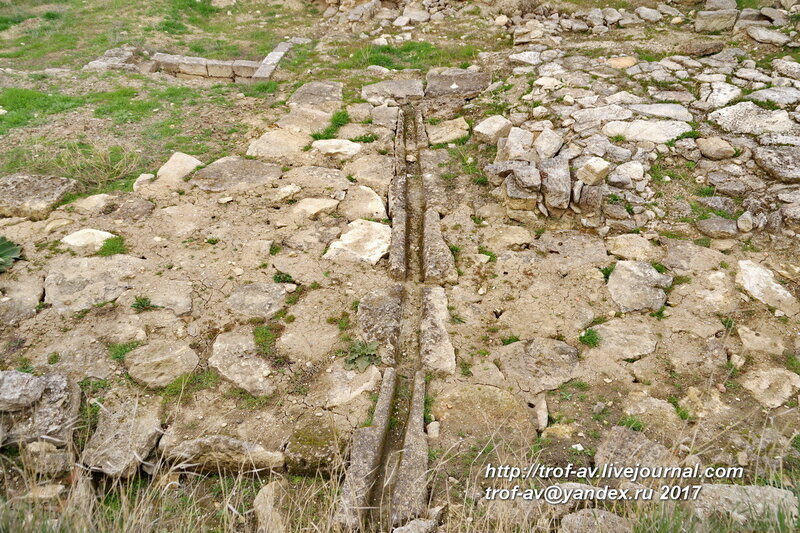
(112, 246)
(631, 422)
(705, 191)
(118, 351)
(260, 89)
(509, 340)
(488, 253)
(410, 54)
(142, 303)
(606, 271)
(590, 338)
(282, 277)
(265, 338)
(339, 119)
(25, 106)
(185, 386)
(369, 138)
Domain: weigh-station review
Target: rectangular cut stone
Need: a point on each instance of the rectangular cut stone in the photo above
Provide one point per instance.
(245, 69)
(196, 66)
(219, 69)
(167, 62)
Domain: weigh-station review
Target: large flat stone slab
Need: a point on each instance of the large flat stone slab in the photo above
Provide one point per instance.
(747, 117)
(126, 433)
(657, 131)
(456, 82)
(73, 284)
(235, 173)
(362, 241)
(32, 196)
(781, 162)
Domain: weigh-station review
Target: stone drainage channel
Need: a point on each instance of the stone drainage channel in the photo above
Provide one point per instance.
(386, 483)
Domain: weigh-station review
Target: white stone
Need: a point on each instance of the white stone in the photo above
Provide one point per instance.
(362, 241)
(656, 131)
(339, 148)
(492, 129)
(760, 283)
(87, 239)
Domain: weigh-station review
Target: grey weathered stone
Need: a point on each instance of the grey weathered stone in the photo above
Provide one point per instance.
(538, 364)
(392, 90)
(235, 356)
(73, 284)
(783, 96)
(715, 148)
(235, 173)
(19, 390)
(760, 283)
(657, 131)
(547, 143)
(491, 129)
(159, 363)
(362, 241)
(257, 300)
(626, 174)
(785, 67)
(313, 448)
(459, 82)
(625, 447)
(325, 95)
(594, 171)
(20, 297)
(126, 433)
(221, 451)
(719, 20)
(447, 131)
(366, 452)
(782, 162)
(436, 351)
(594, 520)
(378, 317)
(717, 227)
(771, 387)
(46, 459)
(362, 202)
(32, 196)
(556, 182)
(437, 261)
(747, 117)
(268, 507)
(768, 36)
(410, 493)
(50, 418)
(637, 285)
(744, 504)
(719, 94)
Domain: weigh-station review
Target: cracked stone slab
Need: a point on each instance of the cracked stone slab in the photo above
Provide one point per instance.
(436, 349)
(32, 196)
(127, 431)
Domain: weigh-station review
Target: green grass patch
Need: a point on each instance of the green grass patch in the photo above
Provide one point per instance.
(590, 338)
(186, 386)
(488, 253)
(26, 106)
(118, 351)
(260, 89)
(339, 119)
(411, 54)
(631, 422)
(112, 246)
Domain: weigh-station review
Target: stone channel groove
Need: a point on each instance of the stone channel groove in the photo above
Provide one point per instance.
(385, 484)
